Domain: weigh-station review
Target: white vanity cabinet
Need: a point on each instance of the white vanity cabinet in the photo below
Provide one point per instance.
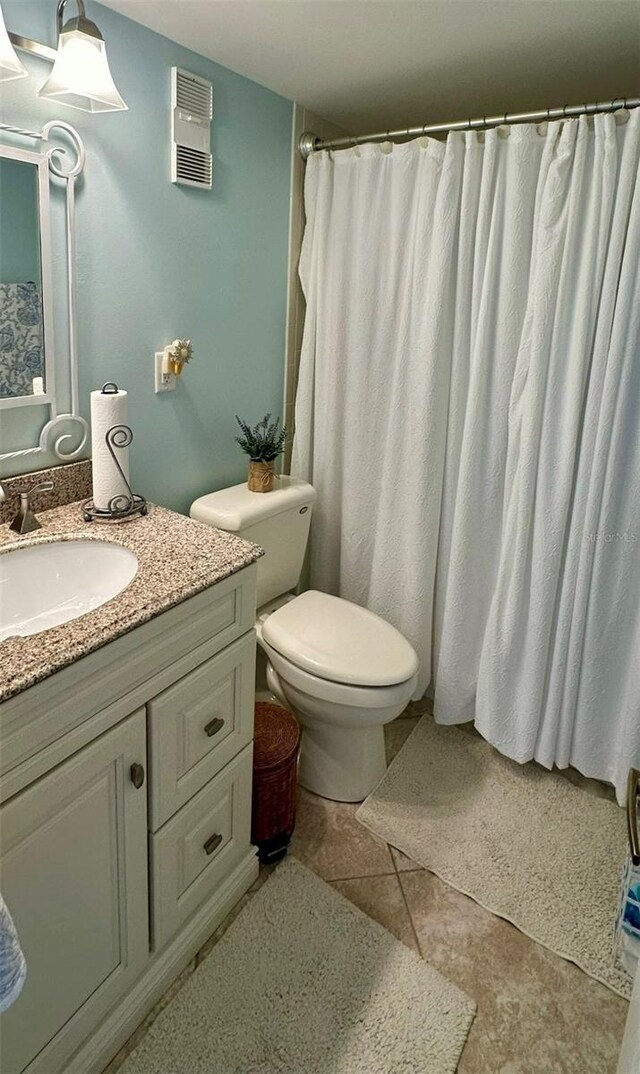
(125, 824)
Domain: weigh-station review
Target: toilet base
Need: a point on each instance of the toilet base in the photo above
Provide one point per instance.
(341, 763)
(342, 754)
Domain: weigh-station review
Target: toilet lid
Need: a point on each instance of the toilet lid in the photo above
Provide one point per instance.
(340, 641)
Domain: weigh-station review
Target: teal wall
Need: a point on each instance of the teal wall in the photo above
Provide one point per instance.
(19, 232)
(157, 261)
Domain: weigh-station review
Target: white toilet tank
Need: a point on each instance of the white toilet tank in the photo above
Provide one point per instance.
(278, 521)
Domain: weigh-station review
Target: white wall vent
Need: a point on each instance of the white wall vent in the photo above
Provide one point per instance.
(191, 115)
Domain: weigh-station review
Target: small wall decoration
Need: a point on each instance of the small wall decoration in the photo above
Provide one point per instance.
(177, 354)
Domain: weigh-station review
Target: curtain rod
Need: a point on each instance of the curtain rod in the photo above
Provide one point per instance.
(310, 143)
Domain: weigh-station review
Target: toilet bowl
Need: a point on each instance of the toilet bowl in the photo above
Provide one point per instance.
(345, 672)
(342, 669)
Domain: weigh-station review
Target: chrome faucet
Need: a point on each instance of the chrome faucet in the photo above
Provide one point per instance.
(25, 520)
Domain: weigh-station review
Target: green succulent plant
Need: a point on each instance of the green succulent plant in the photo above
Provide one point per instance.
(265, 441)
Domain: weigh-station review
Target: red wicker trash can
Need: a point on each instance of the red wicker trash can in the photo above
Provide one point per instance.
(275, 760)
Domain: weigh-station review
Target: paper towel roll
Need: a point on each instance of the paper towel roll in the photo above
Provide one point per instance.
(107, 409)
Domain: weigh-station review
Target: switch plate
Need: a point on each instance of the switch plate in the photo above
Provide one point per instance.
(166, 384)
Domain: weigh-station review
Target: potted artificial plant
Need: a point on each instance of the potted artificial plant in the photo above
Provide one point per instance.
(262, 444)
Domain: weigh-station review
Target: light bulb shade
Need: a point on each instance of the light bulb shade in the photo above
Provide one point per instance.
(10, 65)
(81, 77)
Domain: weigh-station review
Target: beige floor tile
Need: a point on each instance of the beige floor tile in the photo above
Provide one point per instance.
(537, 1013)
(402, 863)
(329, 840)
(381, 898)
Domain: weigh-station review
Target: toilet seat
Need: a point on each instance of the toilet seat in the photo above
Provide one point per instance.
(364, 697)
(339, 643)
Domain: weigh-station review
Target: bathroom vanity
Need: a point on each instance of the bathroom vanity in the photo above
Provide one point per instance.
(125, 786)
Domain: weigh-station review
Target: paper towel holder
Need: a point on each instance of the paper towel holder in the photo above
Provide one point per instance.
(125, 505)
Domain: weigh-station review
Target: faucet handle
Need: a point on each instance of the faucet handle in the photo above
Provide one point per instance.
(43, 486)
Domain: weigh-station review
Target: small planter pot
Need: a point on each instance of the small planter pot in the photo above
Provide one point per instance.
(260, 477)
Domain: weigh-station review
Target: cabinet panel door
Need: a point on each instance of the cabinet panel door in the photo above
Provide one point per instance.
(73, 870)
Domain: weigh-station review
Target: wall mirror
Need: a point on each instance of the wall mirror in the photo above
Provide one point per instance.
(38, 360)
(25, 262)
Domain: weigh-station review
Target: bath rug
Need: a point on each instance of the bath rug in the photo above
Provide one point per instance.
(304, 983)
(523, 842)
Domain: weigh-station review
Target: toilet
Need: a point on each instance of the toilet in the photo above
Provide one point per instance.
(343, 670)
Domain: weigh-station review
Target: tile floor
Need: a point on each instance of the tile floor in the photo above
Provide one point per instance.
(537, 1013)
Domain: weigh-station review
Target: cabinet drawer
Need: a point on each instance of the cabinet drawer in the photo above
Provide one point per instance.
(198, 848)
(198, 725)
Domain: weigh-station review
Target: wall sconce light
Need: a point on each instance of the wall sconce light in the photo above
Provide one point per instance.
(80, 77)
(10, 65)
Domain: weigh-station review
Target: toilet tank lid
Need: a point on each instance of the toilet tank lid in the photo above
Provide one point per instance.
(235, 508)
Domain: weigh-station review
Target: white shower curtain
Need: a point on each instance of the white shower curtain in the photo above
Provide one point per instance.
(469, 411)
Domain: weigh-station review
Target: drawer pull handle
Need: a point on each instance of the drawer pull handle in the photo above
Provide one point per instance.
(213, 727)
(212, 844)
(137, 775)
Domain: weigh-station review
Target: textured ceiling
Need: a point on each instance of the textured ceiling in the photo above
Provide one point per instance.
(374, 64)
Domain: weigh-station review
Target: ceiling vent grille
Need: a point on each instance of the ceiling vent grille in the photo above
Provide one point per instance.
(191, 115)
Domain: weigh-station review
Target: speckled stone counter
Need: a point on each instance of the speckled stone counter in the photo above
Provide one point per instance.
(177, 558)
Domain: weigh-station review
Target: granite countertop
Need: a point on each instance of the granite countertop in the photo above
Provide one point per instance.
(177, 557)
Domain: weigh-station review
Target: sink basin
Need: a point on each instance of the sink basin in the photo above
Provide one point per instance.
(44, 585)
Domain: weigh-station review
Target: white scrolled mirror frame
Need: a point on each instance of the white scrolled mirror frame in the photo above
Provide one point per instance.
(65, 162)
